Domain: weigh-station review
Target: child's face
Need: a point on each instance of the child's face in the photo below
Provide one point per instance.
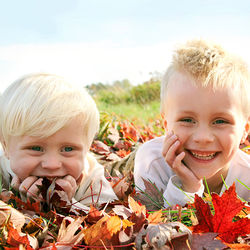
(209, 125)
(56, 156)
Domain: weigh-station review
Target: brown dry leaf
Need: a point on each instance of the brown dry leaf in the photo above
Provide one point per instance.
(159, 236)
(66, 234)
(136, 207)
(7, 212)
(206, 241)
(120, 188)
(94, 215)
(151, 197)
(155, 217)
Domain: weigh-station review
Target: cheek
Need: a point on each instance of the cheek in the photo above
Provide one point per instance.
(182, 133)
(76, 168)
(22, 168)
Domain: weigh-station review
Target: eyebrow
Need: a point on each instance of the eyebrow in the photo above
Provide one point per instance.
(188, 112)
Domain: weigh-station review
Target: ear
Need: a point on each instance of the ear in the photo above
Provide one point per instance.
(245, 132)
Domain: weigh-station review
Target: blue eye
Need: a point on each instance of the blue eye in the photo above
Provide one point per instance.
(36, 148)
(67, 149)
(220, 121)
(189, 120)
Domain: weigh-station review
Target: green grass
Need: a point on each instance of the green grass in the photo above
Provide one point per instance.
(132, 111)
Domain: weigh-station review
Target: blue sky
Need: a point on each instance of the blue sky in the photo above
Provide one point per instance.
(105, 40)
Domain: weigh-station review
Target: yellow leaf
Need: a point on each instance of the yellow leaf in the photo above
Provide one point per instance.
(155, 217)
(127, 223)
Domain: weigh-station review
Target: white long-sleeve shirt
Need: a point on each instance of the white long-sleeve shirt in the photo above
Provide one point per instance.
(150, 165)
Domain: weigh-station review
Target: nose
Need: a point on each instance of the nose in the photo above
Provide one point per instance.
(51, 161)
(203, 135)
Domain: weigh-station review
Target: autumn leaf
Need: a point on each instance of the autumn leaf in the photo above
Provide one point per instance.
(11, 215)
(120, 187)
(66, 234)
(129, 132)
(239, 246)
(100, 148)
(34, 226)
(206, 241)
(102, 230)
(136, 207)
(151, 197)
(15, 239)
(226, 208)
(159, 235)
(94, 215)
(155, 217)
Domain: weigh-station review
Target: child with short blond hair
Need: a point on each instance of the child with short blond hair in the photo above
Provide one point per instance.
(206, 110)
(46, 127)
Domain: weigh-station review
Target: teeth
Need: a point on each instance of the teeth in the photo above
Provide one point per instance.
(203, 156)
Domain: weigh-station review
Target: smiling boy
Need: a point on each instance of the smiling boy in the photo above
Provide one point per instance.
(47, 126)
(205, 105)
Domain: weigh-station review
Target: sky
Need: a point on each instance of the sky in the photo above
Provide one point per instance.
(91, 41)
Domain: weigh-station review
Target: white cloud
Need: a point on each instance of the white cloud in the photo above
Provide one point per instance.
(84, 63)
(96, 62)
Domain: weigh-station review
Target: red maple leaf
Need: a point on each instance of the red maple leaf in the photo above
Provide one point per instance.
(226, 208)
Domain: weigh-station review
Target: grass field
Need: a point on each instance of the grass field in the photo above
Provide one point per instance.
(137, 113)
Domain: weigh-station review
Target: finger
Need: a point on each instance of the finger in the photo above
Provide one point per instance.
(168, 142)
(170, 156)
(26, 184)
(182, 170)
(68, 184)
(33, 191)
(15, 183)
(177, 163)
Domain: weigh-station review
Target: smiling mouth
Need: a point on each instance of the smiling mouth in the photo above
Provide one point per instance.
(205, 156)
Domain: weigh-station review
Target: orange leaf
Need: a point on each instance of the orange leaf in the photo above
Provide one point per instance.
(103, 230)
(136, 207)
(15, 239)
(155, 217)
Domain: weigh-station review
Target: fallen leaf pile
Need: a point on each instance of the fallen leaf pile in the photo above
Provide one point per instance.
(220, 223)
(135, 221)
(118, 139)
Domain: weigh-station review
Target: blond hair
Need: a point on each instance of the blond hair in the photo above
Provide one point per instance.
(209, 64)
(41, 104)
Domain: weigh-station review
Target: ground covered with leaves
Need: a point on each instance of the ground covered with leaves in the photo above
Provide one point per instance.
(136, 221)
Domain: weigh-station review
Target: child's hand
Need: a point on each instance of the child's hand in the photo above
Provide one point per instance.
(190, 182)
(28, 187)
(68, 184)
